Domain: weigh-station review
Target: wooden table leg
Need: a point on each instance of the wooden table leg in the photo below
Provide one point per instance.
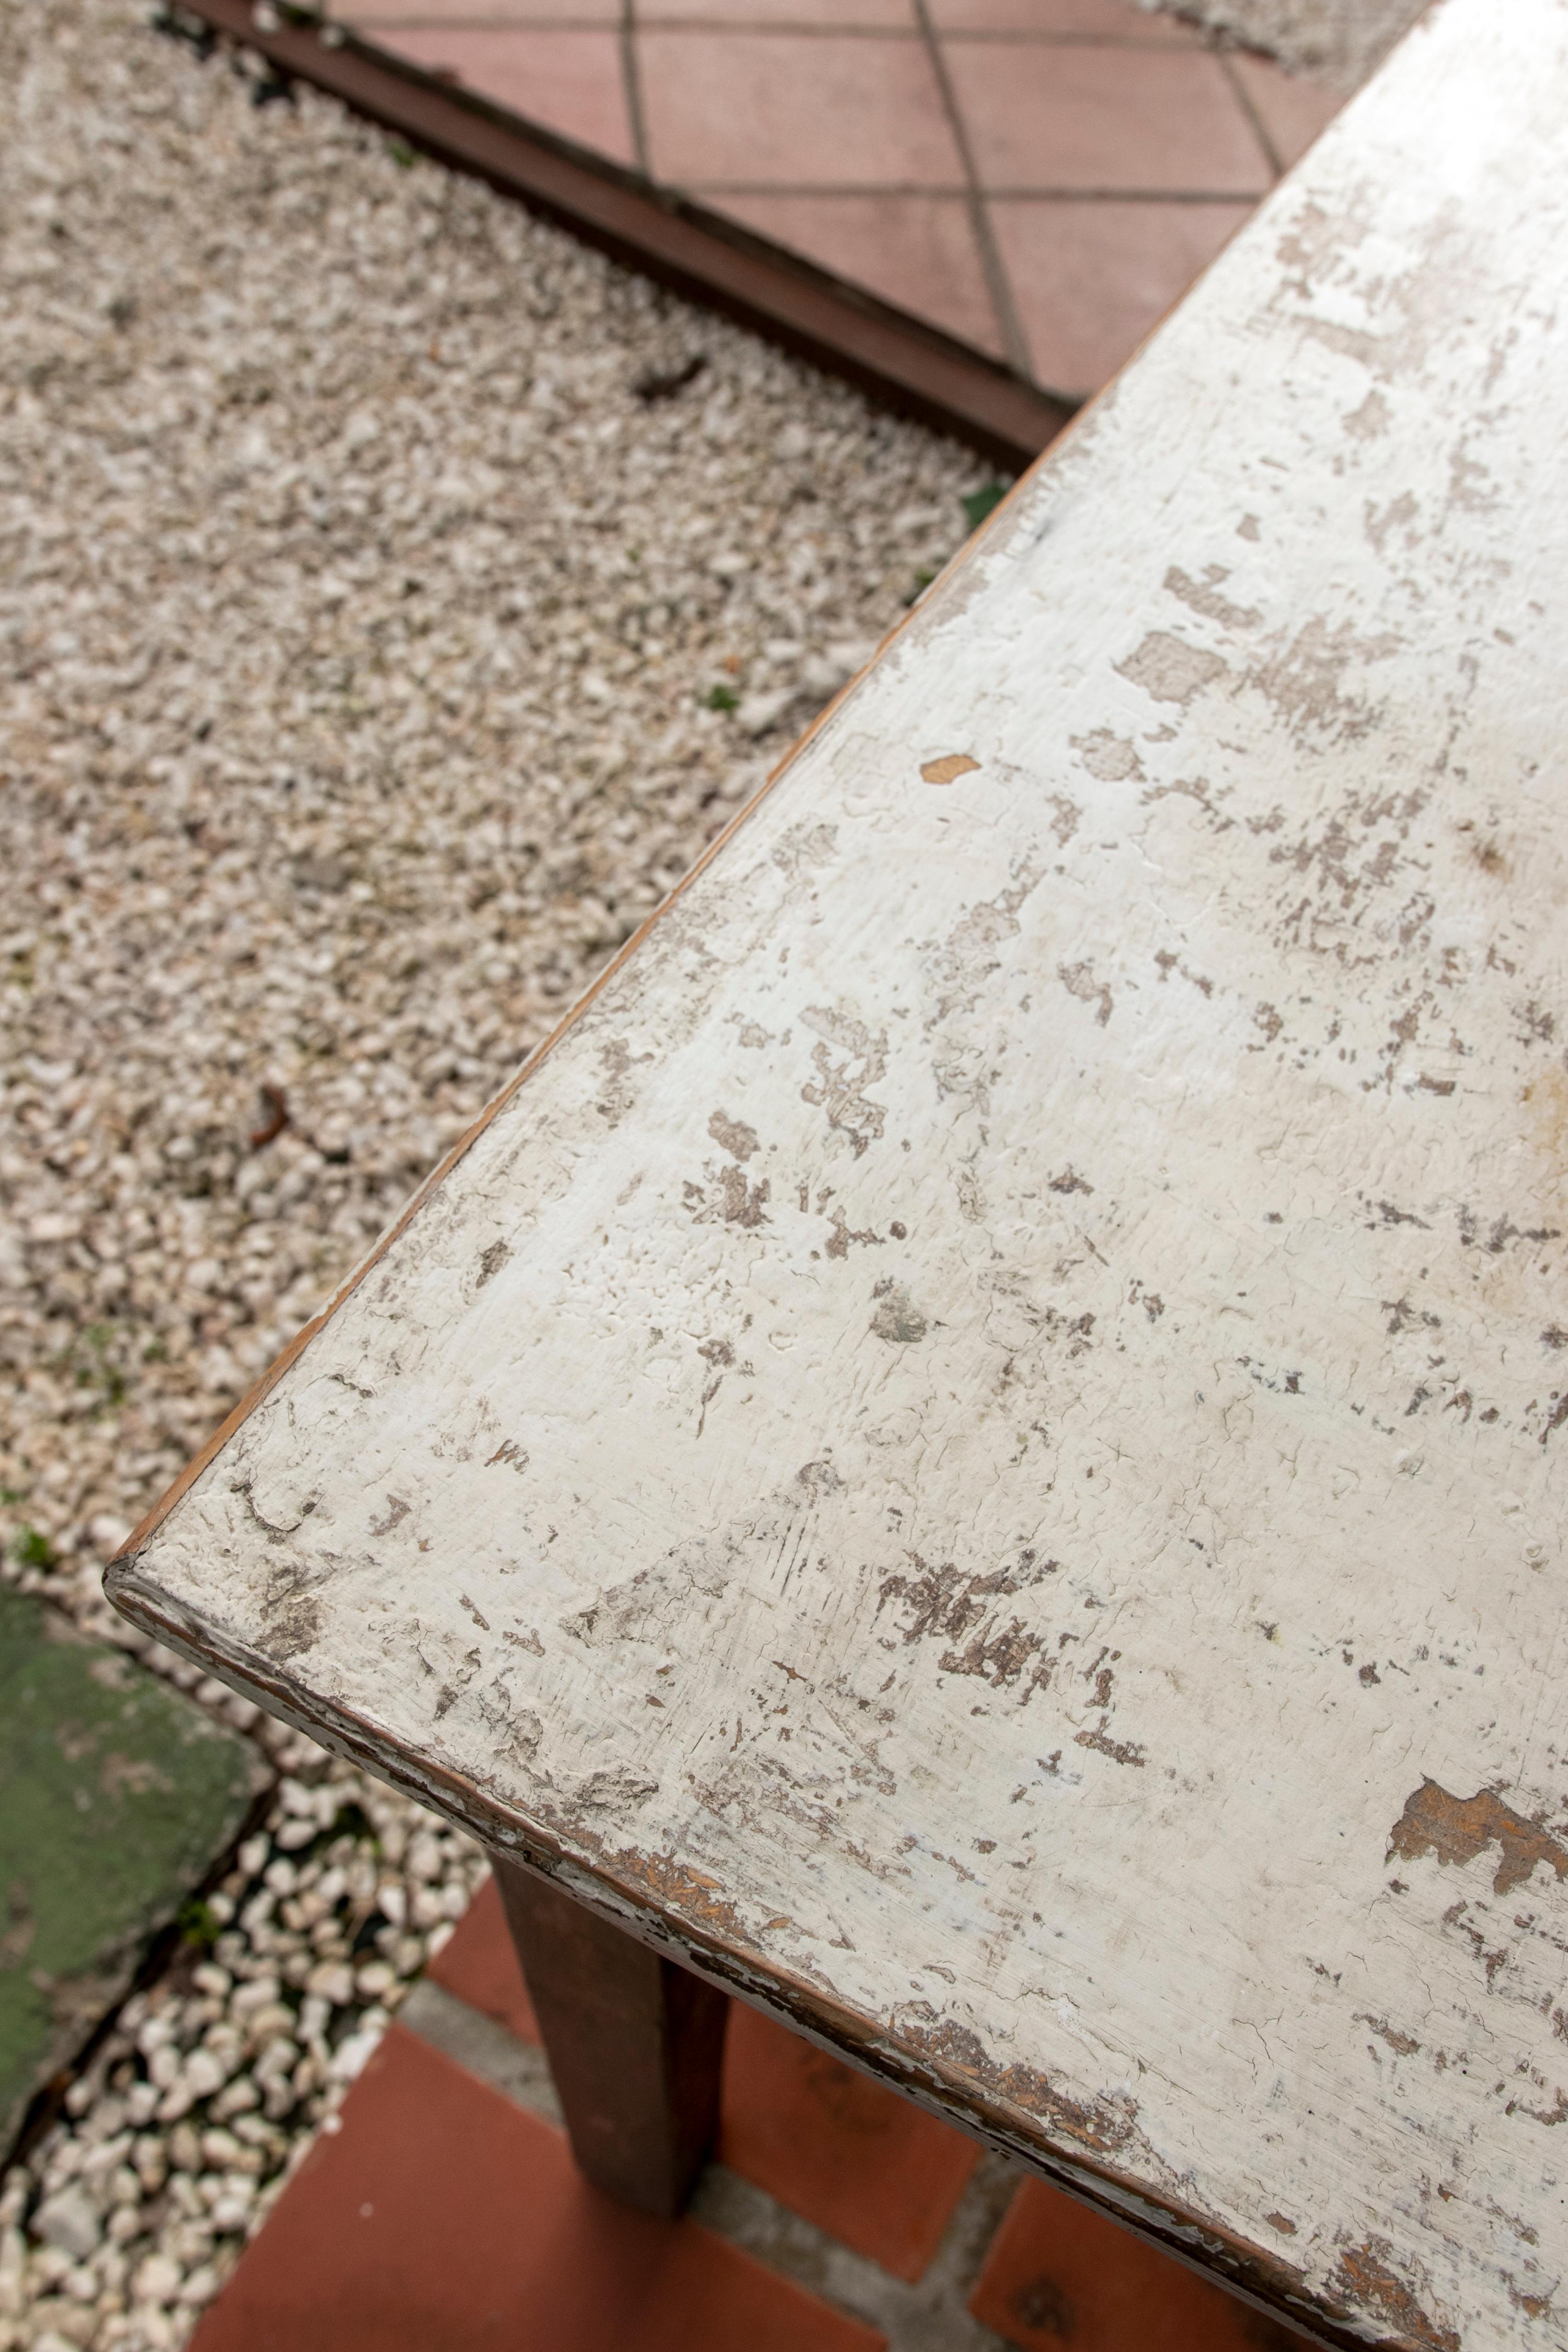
(634, 2044)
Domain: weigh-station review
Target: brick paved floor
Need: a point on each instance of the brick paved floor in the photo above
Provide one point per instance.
(444, 2215)
(1043, 178)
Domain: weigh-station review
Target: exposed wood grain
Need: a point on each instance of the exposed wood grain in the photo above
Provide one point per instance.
(980, 1446)
(636, 2043)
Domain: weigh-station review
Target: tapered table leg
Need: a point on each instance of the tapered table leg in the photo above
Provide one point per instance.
(634, 2044)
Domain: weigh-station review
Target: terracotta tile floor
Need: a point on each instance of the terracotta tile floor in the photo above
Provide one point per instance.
(1042, 178)
(444, 2215)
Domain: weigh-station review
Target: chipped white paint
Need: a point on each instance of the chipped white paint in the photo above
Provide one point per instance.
(987, 1421)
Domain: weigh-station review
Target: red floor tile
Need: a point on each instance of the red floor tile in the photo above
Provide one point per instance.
(1104, 19)
(1292, 112)
(441, 2218)
(1058, 2273)
(874, 2171)
(567, 78)
(795, 110)
(916, 250)
(1091, 279)
(370, 13)
(844, 14)
(1064, 115)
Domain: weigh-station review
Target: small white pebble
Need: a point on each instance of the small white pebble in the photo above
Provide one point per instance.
(333, 1982)
(200, 2286)
(425, 1910)
(237, 2098)
(426, 1859)
(70, 2222)
(205, 2072)
(156, 2280)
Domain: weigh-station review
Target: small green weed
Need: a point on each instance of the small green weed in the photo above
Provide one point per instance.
(983, 501)
(94, 1367)
(721, 698)
(198, 1924)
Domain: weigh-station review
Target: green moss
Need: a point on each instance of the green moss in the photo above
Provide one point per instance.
(983, 501)
(116, 1796)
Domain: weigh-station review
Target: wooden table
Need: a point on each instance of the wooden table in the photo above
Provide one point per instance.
(976, 1449)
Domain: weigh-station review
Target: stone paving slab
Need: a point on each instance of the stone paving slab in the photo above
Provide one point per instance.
(117, 1794)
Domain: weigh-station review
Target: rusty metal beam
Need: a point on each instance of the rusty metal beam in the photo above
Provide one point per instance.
(896, 359)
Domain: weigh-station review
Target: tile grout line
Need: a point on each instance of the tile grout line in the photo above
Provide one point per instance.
(631, 78)
(1023, 195)
(929, 2315)
(1015, 343)
(482, 19)
(1259, 129)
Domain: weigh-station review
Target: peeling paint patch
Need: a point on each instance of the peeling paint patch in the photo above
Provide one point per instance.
(961, 1609)
(840, 1089)
(1364, 2275)
(1078, 980)
(1121, 1752)
(617, 1787)
(736, 1203)
(1106, 2127)
(1109, 759)
(619, 1092)
(1404, 2045)
(1204, 596)
(1306, 680)
(736, 1137)
(1457, 1829)
(896, 1317)
(948, 771)
(1169, 669)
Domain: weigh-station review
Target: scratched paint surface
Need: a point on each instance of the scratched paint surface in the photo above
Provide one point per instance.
(988, 1426)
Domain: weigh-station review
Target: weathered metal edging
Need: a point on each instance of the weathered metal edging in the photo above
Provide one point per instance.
(896, 359)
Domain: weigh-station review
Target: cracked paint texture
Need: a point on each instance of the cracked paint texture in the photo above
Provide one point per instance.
(985, 1435)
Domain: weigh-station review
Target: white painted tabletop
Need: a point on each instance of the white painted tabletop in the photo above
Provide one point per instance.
(981, 1440)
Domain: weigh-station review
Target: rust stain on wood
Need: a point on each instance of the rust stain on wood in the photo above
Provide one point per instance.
(1365, 2277)
(1457, 1829)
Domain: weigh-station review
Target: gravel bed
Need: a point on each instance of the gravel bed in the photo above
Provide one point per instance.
(394, 599)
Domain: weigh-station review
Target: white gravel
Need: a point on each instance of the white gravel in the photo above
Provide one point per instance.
(361, 627)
